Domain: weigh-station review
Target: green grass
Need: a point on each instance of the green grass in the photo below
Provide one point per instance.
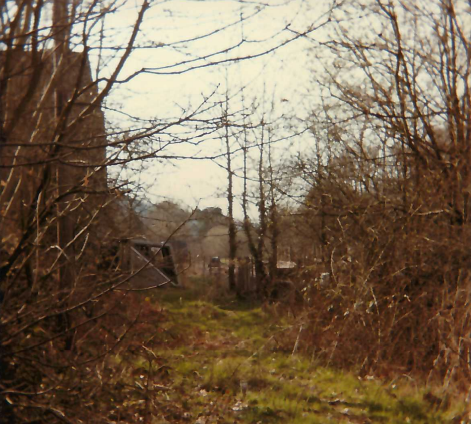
(227, 365)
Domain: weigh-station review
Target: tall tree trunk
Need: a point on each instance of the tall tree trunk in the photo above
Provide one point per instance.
(274, 224)
(262, 216)
(260, 274)
(230, 201)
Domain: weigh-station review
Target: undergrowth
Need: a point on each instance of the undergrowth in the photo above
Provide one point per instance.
(227, 362)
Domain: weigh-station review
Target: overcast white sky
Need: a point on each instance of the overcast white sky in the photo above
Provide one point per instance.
(283, 76)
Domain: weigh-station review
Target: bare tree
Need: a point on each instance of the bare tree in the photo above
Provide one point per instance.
(273, 214)
(395, 116)
(230, 197)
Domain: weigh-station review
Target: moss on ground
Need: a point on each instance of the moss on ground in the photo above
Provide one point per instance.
(225, 365)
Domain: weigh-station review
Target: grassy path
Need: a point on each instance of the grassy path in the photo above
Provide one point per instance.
(230, 365)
